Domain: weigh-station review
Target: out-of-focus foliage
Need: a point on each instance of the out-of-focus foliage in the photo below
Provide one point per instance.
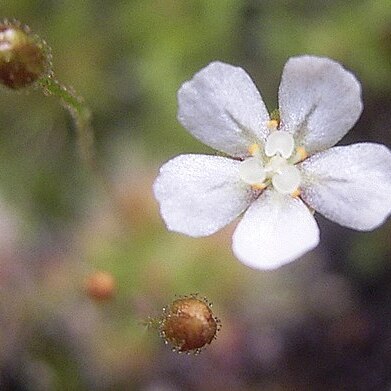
(321, 323)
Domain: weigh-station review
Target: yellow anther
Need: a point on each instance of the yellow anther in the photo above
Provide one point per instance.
(253, 149)
(258, 186)
(272, 124)
(301, 154)
(296, 193)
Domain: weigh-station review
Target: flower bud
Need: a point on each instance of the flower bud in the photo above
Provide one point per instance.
(189, 324)
(24, 58)
(100, 286)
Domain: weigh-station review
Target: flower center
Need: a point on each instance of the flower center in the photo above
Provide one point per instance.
(278, 169)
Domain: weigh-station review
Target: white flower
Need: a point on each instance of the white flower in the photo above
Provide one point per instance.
(278, 169)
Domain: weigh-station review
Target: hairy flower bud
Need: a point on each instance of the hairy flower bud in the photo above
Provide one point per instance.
(24, 58)
(100, 286)
(189, 324)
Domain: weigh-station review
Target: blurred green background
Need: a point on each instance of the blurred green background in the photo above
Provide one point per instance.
(321, 323)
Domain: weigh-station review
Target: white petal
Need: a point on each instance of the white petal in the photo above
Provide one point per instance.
(319, 101)
(275, 230)
(222, 107)
(199, 194)
(350, 185)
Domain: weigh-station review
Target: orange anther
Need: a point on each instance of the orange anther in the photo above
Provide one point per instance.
(272, 124)
(253, 149)
(296, 193)
(258, 186)
(302, 153)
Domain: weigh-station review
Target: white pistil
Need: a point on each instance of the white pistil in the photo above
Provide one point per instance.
(287, 180)
(252, 172)
(279, 142)
(275, 164)
(278, 170)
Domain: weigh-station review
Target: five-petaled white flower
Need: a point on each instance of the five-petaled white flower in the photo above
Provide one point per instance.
(280, 168)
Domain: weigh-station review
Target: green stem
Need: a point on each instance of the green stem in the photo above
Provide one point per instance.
(80, 113)
(84, 130)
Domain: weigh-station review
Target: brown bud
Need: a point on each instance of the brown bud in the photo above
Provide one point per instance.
(100, 286)
(189, 324)
(23, 57)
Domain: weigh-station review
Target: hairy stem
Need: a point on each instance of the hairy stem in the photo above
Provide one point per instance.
(84, 131)
(80, 113)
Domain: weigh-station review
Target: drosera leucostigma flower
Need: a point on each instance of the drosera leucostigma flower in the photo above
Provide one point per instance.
(279, 169)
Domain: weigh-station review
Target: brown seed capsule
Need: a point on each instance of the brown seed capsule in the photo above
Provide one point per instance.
(189, 324)
(23, 57)
(100, 286)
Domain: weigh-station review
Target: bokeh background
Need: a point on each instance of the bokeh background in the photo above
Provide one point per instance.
(321, 323)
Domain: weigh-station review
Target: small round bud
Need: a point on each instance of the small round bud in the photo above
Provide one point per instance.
(189, 324)
(100, 286)
(24, 58)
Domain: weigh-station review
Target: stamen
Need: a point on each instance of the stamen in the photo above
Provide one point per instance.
(272, 124)
(259, 186)
(253, 149)
(296, 193)
(301, 154)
